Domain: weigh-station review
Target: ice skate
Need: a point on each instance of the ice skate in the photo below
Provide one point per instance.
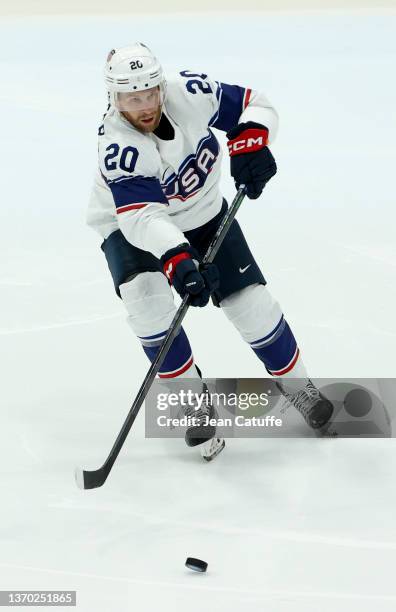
(203, 433)
(201, 430)
(211, 448)
(310, 403)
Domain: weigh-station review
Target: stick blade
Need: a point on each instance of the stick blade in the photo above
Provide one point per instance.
(79, 478)
(86, 479)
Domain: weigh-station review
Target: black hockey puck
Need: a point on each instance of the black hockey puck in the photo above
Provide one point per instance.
(196, 564)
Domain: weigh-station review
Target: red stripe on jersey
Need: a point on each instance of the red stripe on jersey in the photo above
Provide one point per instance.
(289, 367)
(122, 209)
(248, 93)
(178, 372)
(179, 197)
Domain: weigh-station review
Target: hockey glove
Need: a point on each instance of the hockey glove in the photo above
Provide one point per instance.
(182, 269)
(252, 163)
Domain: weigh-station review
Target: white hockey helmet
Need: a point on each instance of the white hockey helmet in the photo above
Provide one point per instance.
(132, 69)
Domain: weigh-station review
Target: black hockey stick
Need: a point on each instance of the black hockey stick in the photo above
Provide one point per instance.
(87, 479)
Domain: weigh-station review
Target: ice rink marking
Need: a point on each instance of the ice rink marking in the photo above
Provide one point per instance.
(25, 330)
(288, 536)
(204, 587)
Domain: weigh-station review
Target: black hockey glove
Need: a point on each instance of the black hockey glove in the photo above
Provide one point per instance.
(252, 163)
(182, 268)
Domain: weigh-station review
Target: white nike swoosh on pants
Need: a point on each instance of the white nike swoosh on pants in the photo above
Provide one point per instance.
(242, 270)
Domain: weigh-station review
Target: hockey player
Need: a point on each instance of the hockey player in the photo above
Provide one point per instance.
(156, 203)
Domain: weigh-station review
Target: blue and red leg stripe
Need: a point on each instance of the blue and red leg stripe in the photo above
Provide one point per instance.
(278, 350)
(179, 357)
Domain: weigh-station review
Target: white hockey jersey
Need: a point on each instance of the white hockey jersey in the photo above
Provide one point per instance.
(153, 189)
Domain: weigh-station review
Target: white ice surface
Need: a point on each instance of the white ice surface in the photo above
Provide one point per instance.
(285, 525)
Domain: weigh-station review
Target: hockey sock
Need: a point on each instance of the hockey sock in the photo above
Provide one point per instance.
(149, 302)
(278, 350)
(179, 361)
(260, 321)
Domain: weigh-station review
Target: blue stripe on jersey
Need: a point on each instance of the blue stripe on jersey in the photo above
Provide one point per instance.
(278, 354)
(177, 355)
(134, 190)
(230, 106)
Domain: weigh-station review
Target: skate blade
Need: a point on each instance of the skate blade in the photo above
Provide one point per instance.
(214, 455)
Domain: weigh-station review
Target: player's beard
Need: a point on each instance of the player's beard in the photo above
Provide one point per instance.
(140, 124)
